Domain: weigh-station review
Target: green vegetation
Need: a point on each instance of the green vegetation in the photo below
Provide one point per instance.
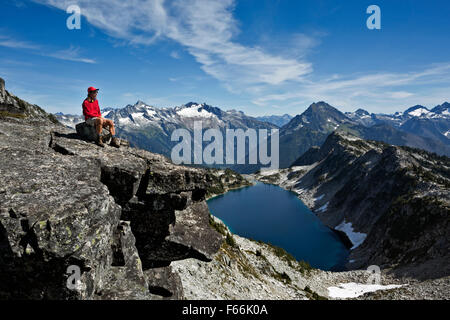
(219, 227)
(22, 104)
(222, 229)
(228, 180)
(241, 261)
(439, 174)
(427, 154)
(313, 295)
(53, 118)
(230, 240)
(349, 129)
(283, 277)
(4, 114)
(271, 179)
(301, 266)
(322, 178)
(410, 216)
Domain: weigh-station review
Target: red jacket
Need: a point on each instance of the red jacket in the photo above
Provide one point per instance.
(91, 109)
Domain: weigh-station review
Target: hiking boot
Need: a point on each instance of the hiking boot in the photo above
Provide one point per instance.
(115, 142)
(99, 142)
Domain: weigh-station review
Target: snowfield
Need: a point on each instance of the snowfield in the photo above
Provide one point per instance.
(353, 290)
(355, 237)
(195, 112)
(419, 112)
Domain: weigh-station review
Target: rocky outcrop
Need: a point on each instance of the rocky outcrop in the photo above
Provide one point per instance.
(119, 215)
(225, 180)
(88, 133)
(12, 106)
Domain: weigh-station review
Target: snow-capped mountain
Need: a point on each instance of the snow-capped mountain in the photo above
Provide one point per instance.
(443, 109)
(141, 115)
(401, 128)
(149, 127)
(69, 120)
(420, 120)
(399, 118)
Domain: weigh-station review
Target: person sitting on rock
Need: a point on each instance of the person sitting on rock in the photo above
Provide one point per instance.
(93, 117)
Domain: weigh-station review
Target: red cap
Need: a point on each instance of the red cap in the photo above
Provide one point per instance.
(92, 89)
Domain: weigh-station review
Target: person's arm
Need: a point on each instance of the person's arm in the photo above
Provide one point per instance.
(83, 106)
(98, 110)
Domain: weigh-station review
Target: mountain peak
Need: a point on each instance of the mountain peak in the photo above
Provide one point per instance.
(442, 109)
(324, 111)
(320, 104)
(321, 107)
(417, 111)
(362, 112)
(140, 103)
(190, 104)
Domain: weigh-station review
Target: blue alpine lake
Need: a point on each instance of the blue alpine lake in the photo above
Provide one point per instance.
(271, 214)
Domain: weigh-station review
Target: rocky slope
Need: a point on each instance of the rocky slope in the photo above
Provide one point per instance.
(392, 202)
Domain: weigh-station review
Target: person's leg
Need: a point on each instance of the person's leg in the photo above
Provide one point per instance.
(110, 125)
(107, 123)
(99, 125)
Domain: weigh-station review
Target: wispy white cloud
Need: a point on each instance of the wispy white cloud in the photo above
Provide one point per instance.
(70, 54)
(372, 90)
(17, 44)
(205, 28)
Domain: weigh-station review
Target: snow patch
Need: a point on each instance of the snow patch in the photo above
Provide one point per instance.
(268, 172)
(353, 290)
(351, 138)
(319, 198)
(355, 237)
(418, 112)
(104, 114)
(323, 208)
(195, 112)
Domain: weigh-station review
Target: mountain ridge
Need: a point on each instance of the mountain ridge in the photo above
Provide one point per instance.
(149, 127)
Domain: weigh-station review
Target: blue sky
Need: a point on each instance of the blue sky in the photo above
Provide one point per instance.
(261, 57)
